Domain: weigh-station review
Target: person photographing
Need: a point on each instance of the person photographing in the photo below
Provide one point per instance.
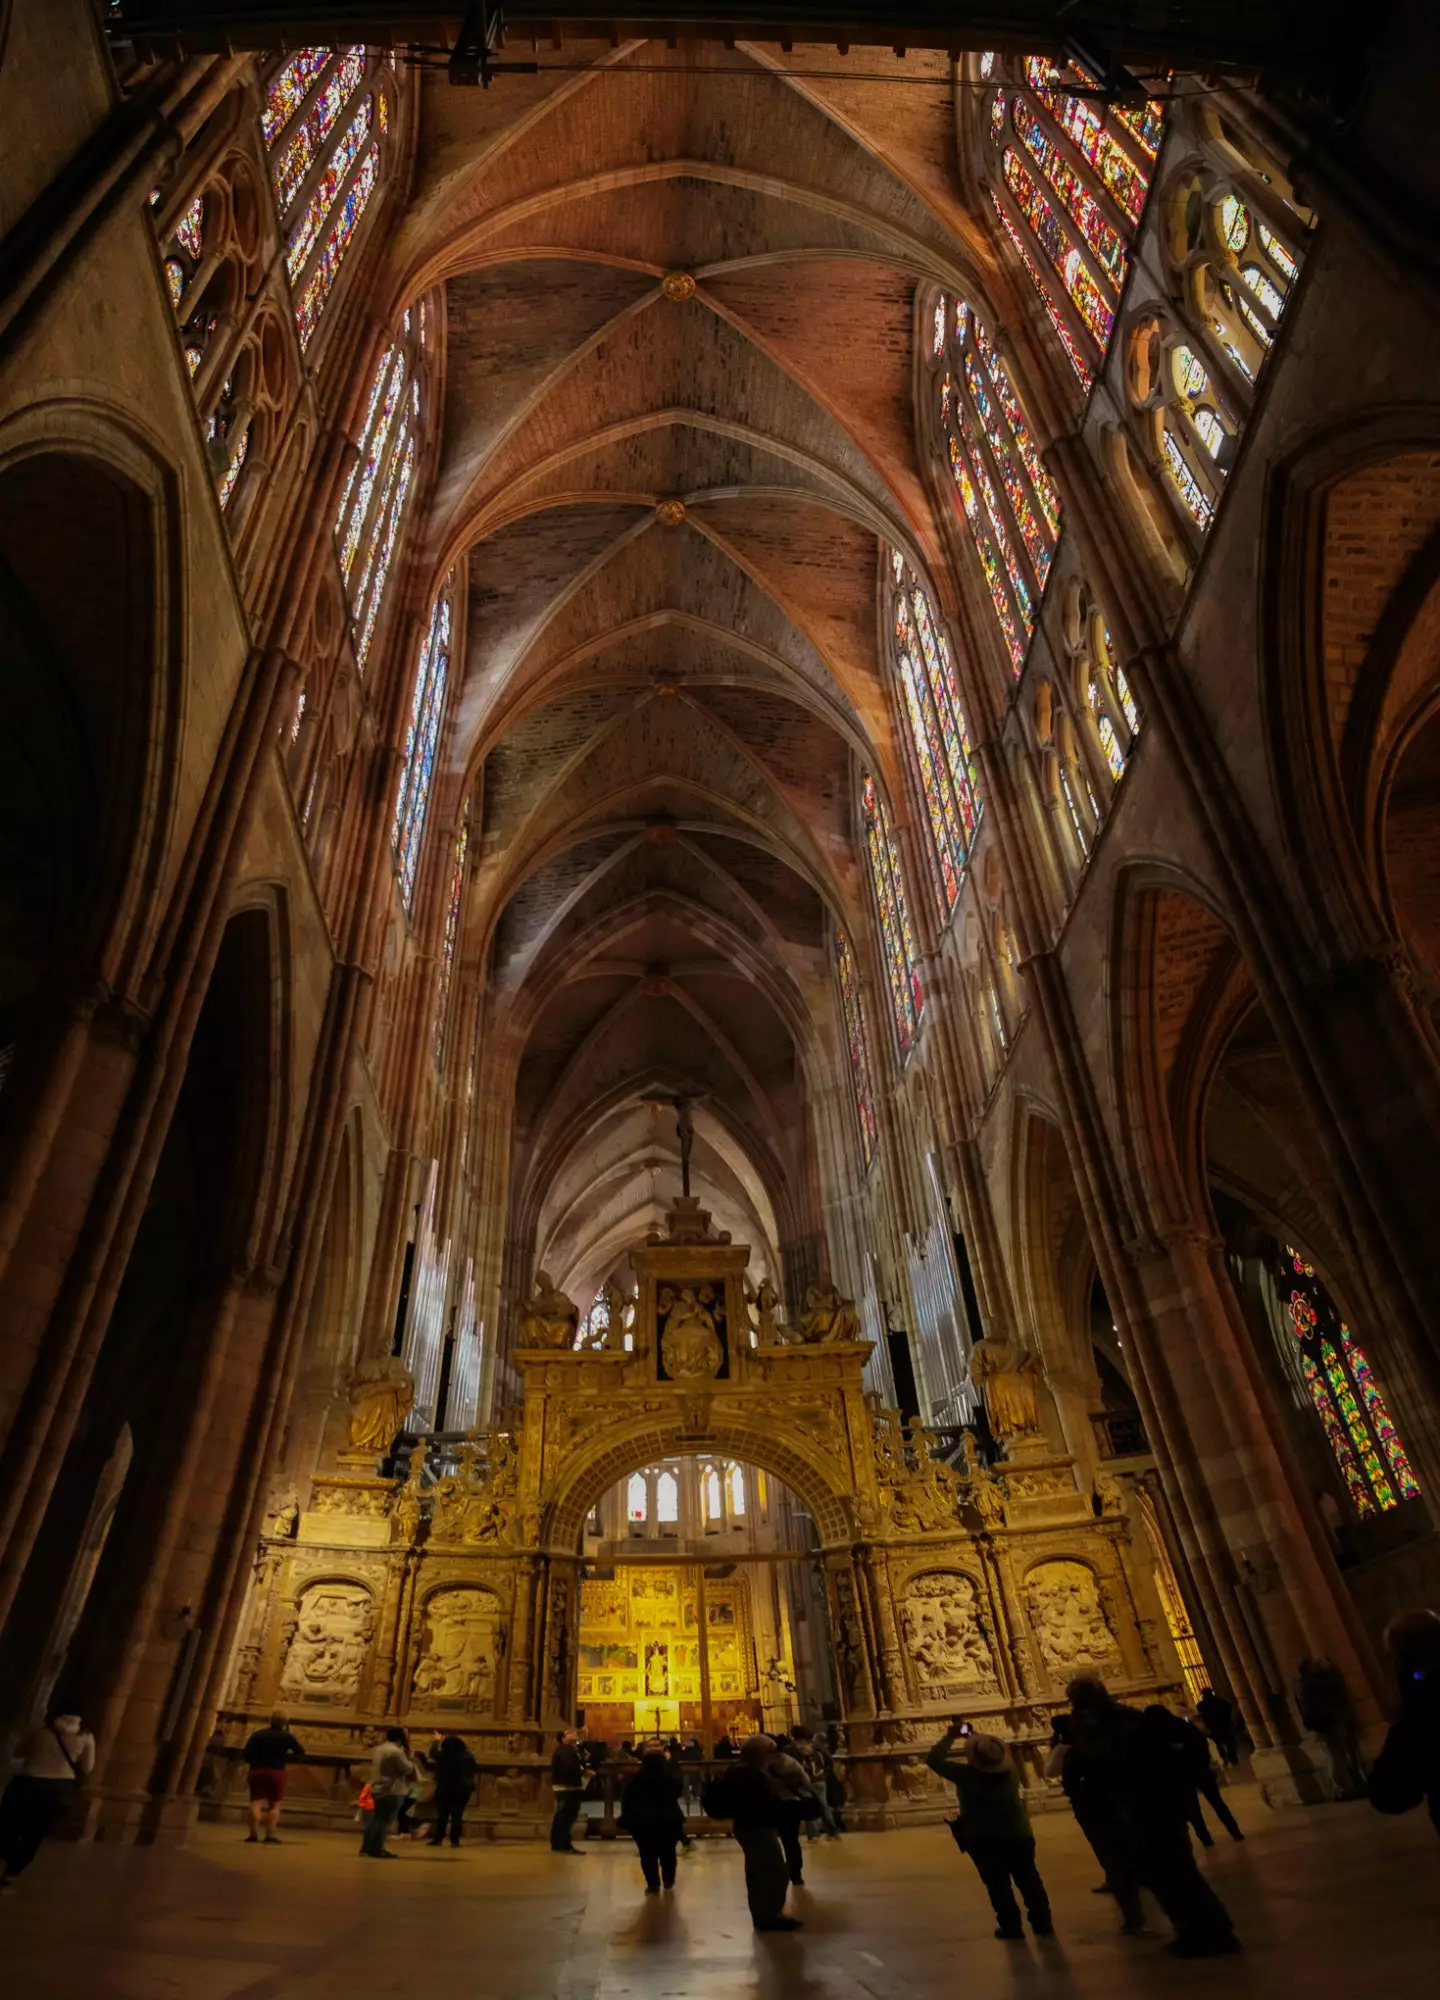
(994, 1827)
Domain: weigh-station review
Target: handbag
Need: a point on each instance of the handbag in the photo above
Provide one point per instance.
(76, 1773)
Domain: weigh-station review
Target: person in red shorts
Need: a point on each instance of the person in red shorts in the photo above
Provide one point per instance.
(268, 1753)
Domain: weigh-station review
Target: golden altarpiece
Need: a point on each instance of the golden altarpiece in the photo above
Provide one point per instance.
(455, 1605)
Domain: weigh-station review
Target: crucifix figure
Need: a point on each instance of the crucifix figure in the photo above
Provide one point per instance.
(685, 1133)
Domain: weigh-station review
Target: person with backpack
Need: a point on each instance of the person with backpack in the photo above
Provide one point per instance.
(650, 1813)
(454, 1770)
(1128, 1777)
(269, 1753)
(817, 1764)
(746, 1797)
(994, 1828)
(57, 1756)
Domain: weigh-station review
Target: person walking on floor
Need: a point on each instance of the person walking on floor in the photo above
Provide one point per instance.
(817, 1764)
(745, 1796)
(994, 1828)
(454, 1770)
(796, 1801)
(392, 1773)
(567, 1781)
(1218, 1720)
(269, 1753)
(1126, 1779)
(57, 1756)
(1407, 1771)
(1323, 1700)
(650, 1813)
(1195, 1747)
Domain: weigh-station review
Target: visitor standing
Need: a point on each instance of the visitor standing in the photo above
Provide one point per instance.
(1200, 1761)
(745, 1796)
(1218, 1720)
(1126, 1778)
(796, 1801)
(994, 1828)
(650, 1813)
(57, 1756)
(1407, 1771)
(392, 1773)
(817, 1764)
(1323, 1700)
(454, 1770)
(567, 1781)
(269, 1754)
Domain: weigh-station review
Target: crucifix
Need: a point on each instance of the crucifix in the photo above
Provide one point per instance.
(685, 1133)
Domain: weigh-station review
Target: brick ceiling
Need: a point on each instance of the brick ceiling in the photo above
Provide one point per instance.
(663, 704)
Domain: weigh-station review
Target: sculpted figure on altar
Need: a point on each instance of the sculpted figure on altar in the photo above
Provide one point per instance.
(548, 1319)
(382, 1395)
(767, 1299)
(1006, 1375)
(828, 1316)
(690, 1345)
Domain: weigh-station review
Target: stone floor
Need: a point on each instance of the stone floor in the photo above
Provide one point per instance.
(1333, 1903)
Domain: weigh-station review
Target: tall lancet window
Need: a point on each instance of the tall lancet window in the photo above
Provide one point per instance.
(939, 737)
(326, 119)
(422, 745)
(1344, 1393)
(897, 940)
(450, 941)
(1008, 501)
(857, 1040)
(1068, 179)
(372, 507)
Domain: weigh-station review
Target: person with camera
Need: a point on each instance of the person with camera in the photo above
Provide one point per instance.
(994, 1827)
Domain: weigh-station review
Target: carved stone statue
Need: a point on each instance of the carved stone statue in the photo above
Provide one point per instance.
(549, 1319)
(827, 1316)
(457, 1659)
(513, 1792)
(690, 1344)
(943, 1633)
(331, 1633)
(767, 1333)
(286, 1519)
(1068, 1619)
(984, 1491)
(617, 1304)
(1110, 1493)
(1005, 1375)
(382, 1395)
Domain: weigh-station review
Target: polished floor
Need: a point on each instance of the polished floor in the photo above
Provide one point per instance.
(1333, 1903)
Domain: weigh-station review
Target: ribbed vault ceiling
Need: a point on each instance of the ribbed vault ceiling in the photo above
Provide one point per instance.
(671, 510)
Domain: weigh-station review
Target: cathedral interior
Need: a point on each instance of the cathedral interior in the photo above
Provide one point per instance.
(726, 1013)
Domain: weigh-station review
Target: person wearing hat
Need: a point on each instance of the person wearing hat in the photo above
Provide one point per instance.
(994, 1828)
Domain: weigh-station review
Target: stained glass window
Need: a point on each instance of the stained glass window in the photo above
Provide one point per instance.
(712, 1505)
(592, 1327)
(231, 476)
(1069, 193)
(1342, 1388)
(1067, 792)
(372, 507)
(329, 165)
(303, 149)
(174, 279)
(735, 1483)
(190, 229)
(422, 743)
(667, 1498)
(896, 937)
(637, 1498)
(1009, 501)
(852, 1011)
(288, 90)
(1110, 744)
(450, 939)
(939, 738)
(1127, 701)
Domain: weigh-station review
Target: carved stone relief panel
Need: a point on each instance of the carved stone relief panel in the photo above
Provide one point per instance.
(456, 1664)
(1068, 1618)
(327, 1643)
(942, 1618)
